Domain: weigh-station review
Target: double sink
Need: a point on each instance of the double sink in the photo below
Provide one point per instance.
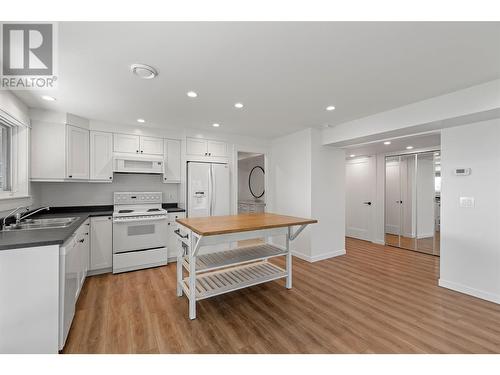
(50, 223)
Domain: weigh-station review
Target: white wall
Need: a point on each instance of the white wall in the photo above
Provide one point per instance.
(470, 237)
(258, 180)
(327, 199)
(308, 180)
(291, 182)
(85, 193)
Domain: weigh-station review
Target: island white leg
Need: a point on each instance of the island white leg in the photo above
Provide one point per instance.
(180, 260)
(192, 286)
(288, 261)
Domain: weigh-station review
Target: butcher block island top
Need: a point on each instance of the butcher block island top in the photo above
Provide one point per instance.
(214, 225)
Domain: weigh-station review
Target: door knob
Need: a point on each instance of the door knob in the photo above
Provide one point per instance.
(368, 203)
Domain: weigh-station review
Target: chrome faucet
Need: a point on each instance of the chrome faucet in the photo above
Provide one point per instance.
(19, 217)
(12, 213)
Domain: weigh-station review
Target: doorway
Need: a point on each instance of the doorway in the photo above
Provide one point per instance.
(251, 191)
(412, 201)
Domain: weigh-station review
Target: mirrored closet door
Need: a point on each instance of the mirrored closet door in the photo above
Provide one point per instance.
(412, 201)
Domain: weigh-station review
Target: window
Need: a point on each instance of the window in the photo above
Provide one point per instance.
(5, 153)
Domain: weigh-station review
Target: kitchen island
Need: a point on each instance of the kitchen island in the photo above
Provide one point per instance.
(233, 267)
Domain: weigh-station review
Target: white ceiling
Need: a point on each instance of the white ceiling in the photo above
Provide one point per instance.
(423, 141)
(284, 73)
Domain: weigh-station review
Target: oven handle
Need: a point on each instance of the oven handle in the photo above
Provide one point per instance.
(178, 232)
(138, 220)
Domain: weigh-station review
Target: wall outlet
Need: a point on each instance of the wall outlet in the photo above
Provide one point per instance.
(467, 202)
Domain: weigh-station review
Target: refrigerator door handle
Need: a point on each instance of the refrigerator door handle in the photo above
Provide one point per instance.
(211, 187)
(214, 185)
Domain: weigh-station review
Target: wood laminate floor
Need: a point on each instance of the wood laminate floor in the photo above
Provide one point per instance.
(374, 299)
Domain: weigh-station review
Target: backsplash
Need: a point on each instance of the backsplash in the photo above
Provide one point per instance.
(85, 193)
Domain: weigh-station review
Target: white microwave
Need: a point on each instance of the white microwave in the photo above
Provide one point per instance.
(137, 164)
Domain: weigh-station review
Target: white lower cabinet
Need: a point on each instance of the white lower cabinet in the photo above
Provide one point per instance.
(172, 242)
(73, 268)
(101, 244)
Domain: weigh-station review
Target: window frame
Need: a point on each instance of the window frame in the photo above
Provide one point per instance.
(18, 160)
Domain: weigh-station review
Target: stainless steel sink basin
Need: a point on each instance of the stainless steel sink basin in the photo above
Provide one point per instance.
(51, 223)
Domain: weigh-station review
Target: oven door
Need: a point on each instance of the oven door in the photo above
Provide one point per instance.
(139, 234)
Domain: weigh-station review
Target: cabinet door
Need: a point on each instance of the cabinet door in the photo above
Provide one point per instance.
(101, 156)
(216, 148)
(101, 243)
(172, 242)
(172, 161)
(151, 145)
(48, 151)
(195, 146)
(126, 143)
(77, 153)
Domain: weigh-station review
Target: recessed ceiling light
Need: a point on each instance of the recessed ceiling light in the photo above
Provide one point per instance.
(330, 108)
(239, 105)
(409, 147)
(48, 98)
(215, 125)
(141, 120)
(144, 71)
(352, 155)
(192, 94)
(387, 142)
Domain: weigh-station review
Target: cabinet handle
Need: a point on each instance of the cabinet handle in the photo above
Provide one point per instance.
(109, 217)
(70, 176)
(110, 177)
(82, 240)
(142, 151)
(137, 151)
(168, 223)
(210, 154)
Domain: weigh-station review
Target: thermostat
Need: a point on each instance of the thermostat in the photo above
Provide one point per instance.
(462, 171)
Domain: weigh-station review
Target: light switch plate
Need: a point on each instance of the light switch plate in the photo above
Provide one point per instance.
(467, 202)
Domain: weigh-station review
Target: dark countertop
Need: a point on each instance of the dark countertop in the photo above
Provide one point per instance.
(44, 237)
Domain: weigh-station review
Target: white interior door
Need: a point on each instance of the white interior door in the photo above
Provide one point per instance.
(198, 192)
(360, 183)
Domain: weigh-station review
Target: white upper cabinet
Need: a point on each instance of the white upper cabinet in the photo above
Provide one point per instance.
(151, 145)
(48, 151)
(126, 143)
(204, 147)
(135, 144)
(196, 146)
(216, 148)
(101, 156)
(172, 161)
(77, 153)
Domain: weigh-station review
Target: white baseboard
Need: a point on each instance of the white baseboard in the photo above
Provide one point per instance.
(470, 291)
(319, 257)
(379, 242)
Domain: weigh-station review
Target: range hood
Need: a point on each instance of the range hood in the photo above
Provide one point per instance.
(125, 163)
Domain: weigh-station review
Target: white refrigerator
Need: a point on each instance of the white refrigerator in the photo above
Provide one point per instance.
(208, 189)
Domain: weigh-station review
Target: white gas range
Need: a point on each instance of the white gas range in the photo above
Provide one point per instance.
(139, 231)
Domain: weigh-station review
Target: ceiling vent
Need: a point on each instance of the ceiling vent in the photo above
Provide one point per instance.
(144, 71)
